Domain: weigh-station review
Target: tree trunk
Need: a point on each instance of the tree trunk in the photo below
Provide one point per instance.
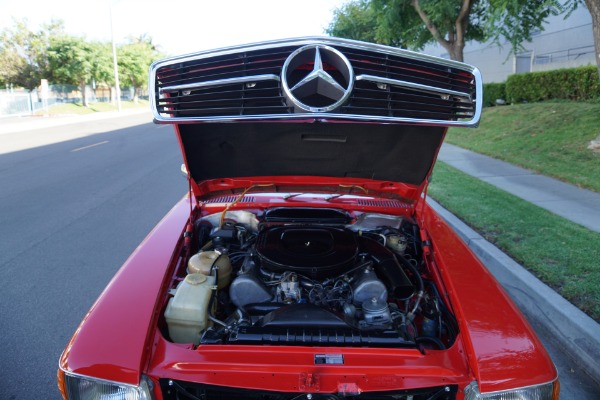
(594, 8)
(454, 48)
(456, 52)
(84, 100)
(455, 44)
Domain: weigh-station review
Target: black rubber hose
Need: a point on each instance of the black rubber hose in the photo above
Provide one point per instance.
(420, 287)
(415, 239)
(214, 293)
(449, 321)
(408, 265)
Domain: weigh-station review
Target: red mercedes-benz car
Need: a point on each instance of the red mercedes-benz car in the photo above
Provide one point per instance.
(305, 262)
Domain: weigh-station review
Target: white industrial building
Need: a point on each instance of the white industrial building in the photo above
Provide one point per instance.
(563, 43)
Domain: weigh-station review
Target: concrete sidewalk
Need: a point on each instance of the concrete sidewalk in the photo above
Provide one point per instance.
(578, 205)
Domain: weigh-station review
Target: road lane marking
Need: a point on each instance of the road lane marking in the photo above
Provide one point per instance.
(87, 147)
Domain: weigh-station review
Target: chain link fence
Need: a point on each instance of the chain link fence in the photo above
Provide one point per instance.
(20, 102)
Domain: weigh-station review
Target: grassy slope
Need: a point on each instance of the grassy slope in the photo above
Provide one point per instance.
(549, 137)
(564, 255)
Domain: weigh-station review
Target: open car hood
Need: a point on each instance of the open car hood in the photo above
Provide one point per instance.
(313, 107)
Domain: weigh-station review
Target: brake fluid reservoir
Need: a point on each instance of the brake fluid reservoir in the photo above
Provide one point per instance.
(186, 312)
(203, 261)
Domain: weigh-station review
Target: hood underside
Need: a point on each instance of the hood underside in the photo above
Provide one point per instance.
(390, 152)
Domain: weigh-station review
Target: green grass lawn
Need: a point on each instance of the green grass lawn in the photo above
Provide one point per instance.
(564, 255)
(548, 137)
(79, 109)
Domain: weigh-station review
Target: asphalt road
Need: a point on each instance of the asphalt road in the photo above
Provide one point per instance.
(70, 214)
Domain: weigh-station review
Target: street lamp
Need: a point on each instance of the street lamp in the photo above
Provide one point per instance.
(114, 51)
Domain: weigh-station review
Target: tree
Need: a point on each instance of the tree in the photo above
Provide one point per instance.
(70, 59)
(356, 19)
(102, 64)
(451, 23)
(9, 64)
(23, 53)
(593, 7)
(134, 61)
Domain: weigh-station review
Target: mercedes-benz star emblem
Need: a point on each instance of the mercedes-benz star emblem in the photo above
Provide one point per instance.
(317, 78)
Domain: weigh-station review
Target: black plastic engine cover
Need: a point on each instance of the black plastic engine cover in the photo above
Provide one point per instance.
(315, 252)
(304, 316)
(255, 335)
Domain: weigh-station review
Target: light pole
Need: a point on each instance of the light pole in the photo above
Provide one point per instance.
(114, 51)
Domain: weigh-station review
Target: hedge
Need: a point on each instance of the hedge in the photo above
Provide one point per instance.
(492, 92)
(580, 83)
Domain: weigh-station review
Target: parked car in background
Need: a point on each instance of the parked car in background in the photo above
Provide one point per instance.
(305, 263)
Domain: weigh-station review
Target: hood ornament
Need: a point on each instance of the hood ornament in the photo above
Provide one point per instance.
(317, 78)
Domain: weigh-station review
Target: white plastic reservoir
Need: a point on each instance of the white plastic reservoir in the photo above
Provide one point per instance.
(187, 311)
(203, 261)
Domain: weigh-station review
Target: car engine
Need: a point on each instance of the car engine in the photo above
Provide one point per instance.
(302, 276)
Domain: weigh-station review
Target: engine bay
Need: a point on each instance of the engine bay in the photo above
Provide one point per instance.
(307, 276)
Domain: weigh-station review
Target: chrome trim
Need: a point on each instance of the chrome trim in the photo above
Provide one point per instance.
(317, 40)
(219, 82)
(318, 73)
(302, 41)
(315, 117)
(411, 85)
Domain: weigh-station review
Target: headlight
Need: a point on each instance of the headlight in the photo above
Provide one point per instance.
(548, 391)
(77, 387)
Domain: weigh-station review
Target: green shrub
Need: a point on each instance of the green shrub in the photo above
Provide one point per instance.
(493, 91)
(580, 83)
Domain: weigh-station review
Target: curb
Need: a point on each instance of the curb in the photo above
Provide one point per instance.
(575, 332)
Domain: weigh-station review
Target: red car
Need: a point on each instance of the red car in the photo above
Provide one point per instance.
(305, 262)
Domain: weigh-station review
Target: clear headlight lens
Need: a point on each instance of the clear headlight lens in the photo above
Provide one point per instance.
(548, 391)
(84, 388)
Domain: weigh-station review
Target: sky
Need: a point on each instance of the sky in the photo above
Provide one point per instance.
(178, 26)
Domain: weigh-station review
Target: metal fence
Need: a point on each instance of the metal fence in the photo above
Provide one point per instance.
(572, 54)
(21, 102)
(15, 104)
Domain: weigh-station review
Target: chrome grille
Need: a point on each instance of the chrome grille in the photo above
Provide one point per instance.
(245, 82)
(216, 86)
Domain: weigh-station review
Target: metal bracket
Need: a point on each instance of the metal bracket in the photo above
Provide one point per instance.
(309, 381)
